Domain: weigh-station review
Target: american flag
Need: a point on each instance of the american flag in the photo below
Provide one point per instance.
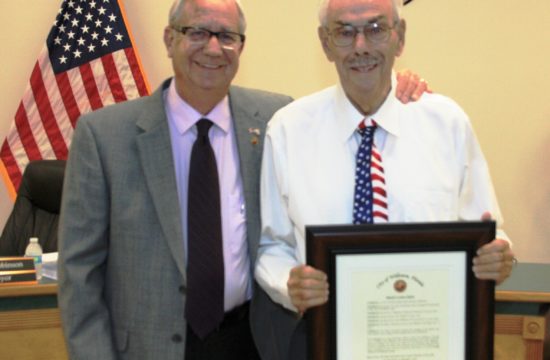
(88, 62)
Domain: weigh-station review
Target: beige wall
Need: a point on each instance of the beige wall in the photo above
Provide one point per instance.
(492, 56)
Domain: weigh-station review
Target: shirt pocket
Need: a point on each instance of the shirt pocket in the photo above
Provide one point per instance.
(429, 205)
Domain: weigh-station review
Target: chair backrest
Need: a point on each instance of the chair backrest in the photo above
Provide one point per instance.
(36, 208)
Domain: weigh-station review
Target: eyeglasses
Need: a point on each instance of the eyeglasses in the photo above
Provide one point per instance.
(200, 36)
(376, 33)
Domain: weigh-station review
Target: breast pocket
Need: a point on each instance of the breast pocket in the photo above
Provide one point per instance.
(429, 205)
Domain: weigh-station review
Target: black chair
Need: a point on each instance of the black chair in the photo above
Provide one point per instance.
(36, 208)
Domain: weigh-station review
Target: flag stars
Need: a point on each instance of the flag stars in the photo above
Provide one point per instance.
(86, 28)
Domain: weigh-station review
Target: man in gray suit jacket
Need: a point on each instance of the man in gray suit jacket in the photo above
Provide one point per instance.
(123, 238)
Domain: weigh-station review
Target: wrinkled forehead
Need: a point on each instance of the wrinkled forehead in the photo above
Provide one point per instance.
(359, 12)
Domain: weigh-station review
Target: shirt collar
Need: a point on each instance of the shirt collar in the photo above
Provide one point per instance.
(184, 116)
(387, 116)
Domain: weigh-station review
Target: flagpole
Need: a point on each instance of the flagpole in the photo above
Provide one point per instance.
(7, 182)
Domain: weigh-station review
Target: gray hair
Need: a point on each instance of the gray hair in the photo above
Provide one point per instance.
(177, 9)
(323, 9)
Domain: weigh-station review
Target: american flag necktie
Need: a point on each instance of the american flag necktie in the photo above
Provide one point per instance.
(370, 199)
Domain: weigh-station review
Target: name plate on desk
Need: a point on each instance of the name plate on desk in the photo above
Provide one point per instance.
(17, 271)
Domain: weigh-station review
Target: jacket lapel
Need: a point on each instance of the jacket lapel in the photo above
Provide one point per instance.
(155, 152)
(249, 131)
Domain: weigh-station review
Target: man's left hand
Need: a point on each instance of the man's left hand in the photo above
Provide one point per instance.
(410, 86)
(494, 261)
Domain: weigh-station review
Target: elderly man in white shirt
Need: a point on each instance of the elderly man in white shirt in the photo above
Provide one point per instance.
(433, 166)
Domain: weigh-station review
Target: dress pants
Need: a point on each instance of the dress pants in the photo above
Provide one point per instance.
(231, 341)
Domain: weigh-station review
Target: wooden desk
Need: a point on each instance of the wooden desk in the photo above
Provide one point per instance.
(30, 325)
(521, 326)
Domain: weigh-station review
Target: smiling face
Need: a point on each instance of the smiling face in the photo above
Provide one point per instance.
(364, 68)
(204, 70)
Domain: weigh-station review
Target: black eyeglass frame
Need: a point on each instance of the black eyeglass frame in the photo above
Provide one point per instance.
(185, 29)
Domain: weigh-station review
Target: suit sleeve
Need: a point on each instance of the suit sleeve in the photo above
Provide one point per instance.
(83, 246)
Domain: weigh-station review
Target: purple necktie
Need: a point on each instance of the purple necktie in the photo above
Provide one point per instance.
(204, 309)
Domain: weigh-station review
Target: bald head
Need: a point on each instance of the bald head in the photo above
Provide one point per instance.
(324, 5)
(178, 7)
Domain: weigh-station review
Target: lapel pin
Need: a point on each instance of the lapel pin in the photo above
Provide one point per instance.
(255, 132)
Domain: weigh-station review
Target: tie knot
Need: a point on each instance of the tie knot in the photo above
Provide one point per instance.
(363, 129)
(203, 126)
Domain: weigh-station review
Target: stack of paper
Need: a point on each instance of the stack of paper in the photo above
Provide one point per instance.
(49, 265)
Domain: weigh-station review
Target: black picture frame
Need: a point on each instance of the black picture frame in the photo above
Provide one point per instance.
(324, 243)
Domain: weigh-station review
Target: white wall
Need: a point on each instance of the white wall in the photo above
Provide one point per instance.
(491, 56)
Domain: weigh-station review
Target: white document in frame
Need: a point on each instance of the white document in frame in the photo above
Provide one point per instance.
(395, 306)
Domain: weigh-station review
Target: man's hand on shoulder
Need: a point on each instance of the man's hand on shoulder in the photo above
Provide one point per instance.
(410, 86)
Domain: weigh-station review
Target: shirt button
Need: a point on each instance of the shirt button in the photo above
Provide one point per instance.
(181, 289)
(176, 338)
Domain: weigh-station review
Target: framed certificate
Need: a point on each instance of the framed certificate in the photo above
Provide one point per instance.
(401, 291)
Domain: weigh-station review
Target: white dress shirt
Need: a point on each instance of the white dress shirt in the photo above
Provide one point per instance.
(434, 168)
(183, 133)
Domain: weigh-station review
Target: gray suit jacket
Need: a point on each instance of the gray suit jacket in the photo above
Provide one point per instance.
(122, 279)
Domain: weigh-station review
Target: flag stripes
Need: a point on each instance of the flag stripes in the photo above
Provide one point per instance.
(380, 202)
(80, 69)
(138, 79)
